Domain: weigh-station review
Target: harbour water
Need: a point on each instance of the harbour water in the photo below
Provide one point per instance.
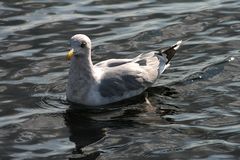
(192, 112)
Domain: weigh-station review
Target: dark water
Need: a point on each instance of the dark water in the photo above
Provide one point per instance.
(196, 101)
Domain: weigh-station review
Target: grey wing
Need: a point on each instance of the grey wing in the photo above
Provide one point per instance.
(121, 82)
(112, 62)
(153, 61)
(130, 75)
(125, 75)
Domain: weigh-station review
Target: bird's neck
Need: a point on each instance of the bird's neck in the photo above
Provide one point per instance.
(80, 79)
(82, 68)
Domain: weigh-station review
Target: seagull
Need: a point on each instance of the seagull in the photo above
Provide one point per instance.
(111, 80)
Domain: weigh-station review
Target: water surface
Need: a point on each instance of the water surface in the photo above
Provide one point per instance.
(195, 113)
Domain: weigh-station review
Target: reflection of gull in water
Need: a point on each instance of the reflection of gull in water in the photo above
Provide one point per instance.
(114, 79)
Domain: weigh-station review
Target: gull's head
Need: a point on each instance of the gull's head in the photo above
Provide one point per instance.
(80, 46)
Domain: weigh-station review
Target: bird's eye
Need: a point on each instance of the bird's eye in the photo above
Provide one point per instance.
(83, 44)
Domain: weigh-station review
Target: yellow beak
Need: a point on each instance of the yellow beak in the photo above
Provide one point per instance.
(70, 54)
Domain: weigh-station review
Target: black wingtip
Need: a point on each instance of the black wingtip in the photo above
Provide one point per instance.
(170, 52)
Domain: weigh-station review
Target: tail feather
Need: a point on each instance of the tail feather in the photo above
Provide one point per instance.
(170, 52)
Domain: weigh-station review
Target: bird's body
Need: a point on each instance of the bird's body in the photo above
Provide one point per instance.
(114, 79)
